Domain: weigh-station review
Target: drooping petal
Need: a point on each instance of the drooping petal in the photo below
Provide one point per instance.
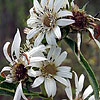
(87, 92)
(61, 80)
(57, 5)
(65, 22)
(5, 51)
(32, 33)
(16, 44)
(6, 68)
(61, 58)
(92, 34)
(39, 39)
(64, 13)
(57, 32)
(38, 81)
(69, 91)
(37, 6)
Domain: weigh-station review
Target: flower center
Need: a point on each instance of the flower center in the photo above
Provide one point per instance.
(49, 69)
(19, 72)
(49, 19)
(81, 20)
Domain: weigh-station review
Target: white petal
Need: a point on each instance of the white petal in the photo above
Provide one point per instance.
(95, 40)
(61, 58)
(92, 98)
(53, 87)
(5, 51)
(57, 32)
(31, 72)
(19, 93)
(78, 44)
(50, 38)
(36, 49)
(37, 6)
(32, 33)
(69, 91)
(65, 74)
(32, 21)
(50, 53)
(39, 39)
(81, 82)
(56, 53)
(72, 3)
(87, 92)
(58, 4)
(64, 13)
(37, 59)
(16, 44)
(65, 22)
(61, 80)
(50, 4)
(36, 64)
(7, 68)
(38, 81)
(48, 86)
(43, 3)
(64, 69)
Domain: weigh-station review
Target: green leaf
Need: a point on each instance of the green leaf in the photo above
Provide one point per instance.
(1, 78)
(86, 66)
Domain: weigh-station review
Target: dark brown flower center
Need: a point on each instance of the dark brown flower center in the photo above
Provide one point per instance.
(19, 72)
(46, 21)
(49, 69)
(81, 20)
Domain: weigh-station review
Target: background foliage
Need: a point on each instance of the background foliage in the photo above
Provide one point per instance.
(14, 14)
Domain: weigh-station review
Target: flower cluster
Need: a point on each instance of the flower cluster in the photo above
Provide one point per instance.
(41, 57)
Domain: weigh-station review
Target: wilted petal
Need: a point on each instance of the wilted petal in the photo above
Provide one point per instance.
(65, 22)
(5, 51)
(38, 81)
(92, 34)
(7, 68)
(16, 44)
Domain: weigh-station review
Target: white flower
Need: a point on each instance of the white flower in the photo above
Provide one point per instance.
(19, 63)
(45, 19)
(79, 86)
(51, 71)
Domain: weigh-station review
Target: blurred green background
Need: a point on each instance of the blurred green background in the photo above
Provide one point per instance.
(14, 14)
